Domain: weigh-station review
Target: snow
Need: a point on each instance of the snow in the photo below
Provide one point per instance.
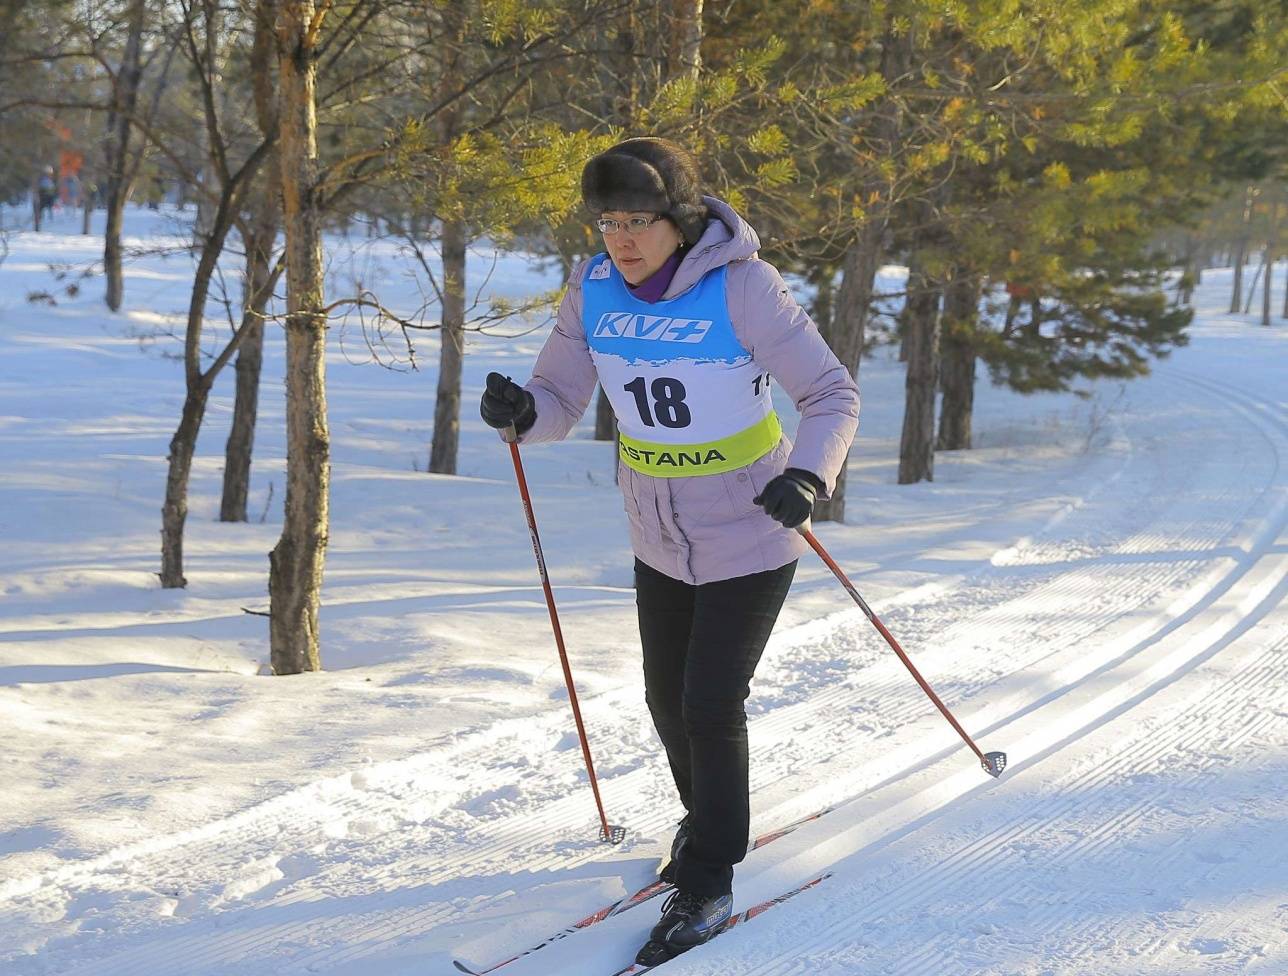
(1098, 589)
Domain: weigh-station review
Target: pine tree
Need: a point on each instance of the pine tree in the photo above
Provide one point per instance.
(296, 562)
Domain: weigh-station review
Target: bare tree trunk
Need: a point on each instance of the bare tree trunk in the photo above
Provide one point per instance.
(1252, 290)
(605, 419)
(1236, 295)
(296, 562)
(117, 153)
(87, 204)
(263, 226)
(240, 446)
(846, 334)
(629, 82)
(209, 175)
(447, 407)
(606, 426)
(686, 38)
(957, 374)
(1012, 310)
(1192, 277)
(174, 512)
(822, 277)
(1272, 245)
(917, 443)
(202, 223)
(1236, 292)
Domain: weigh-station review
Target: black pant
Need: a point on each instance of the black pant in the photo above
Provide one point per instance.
(701, 646)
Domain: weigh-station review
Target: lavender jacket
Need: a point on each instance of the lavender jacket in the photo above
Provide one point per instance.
(706, 527)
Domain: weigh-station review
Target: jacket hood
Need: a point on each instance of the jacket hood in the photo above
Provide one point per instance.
(727, 238)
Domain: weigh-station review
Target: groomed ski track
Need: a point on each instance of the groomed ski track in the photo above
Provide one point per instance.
(1131, 657)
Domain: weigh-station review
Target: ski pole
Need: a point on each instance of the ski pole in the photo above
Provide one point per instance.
(992, 762)
(608, 834)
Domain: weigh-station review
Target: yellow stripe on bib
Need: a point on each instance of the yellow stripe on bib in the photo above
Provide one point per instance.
(714, 457)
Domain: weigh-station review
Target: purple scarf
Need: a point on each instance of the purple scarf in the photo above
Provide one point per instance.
(652, 288)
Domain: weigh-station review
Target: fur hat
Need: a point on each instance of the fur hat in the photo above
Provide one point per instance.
(650, 174)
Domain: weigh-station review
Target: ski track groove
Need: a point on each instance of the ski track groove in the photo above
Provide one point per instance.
(402, 921)
(1242, 693)
(1147, 754)
(1047, 586)
(978, 862)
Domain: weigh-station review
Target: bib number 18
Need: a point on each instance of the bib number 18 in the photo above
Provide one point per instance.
(668, 405)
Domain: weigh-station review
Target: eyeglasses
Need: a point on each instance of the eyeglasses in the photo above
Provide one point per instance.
(633, 225)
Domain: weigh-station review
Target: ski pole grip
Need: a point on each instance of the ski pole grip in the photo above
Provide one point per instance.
(804, 528)
(509, 434)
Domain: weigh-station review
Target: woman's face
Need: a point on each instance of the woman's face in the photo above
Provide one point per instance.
(638, 255)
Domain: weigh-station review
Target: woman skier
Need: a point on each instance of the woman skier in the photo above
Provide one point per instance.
(684, 327)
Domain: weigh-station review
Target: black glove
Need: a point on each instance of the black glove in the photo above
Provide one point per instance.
(505, 402)
(789, 498)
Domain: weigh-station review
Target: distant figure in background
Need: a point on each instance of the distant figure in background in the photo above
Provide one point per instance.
(71, 195)
(89, 200)
(46, 193)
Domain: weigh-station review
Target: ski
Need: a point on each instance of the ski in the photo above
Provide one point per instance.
(616, 908)
(649, 891)
(635, 967)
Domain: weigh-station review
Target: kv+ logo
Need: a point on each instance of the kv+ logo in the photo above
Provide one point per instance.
(658, 328)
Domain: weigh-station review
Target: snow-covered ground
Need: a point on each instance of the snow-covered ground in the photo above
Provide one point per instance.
(1098, 588)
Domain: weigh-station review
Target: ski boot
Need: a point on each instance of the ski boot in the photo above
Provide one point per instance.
(688, 920)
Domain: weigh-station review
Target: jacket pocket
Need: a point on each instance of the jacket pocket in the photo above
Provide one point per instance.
(741, 488)
(698, 499)
(639, 498)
